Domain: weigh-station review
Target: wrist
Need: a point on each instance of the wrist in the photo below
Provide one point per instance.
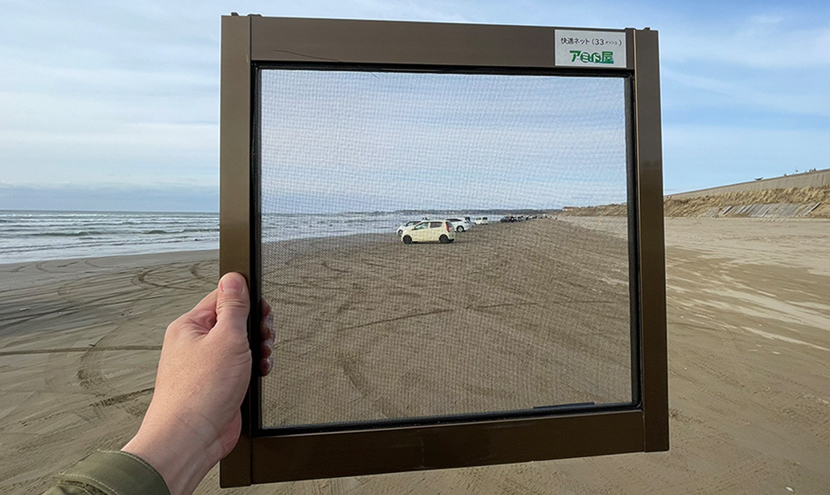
(181, 458)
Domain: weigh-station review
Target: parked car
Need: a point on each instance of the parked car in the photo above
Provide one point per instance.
(460, 224)
(408, 225)
(429, 231)
(481, 221)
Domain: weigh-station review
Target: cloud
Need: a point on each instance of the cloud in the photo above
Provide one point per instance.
(425, 141)
(729, 91)
(128, 93)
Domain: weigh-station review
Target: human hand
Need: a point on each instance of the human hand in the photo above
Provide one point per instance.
(194, 417)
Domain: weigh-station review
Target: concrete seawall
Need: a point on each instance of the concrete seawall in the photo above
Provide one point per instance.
(820, 178)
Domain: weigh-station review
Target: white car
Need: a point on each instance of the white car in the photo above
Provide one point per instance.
(482, 221)
(429, 231)
(408, 225)
(460, 224)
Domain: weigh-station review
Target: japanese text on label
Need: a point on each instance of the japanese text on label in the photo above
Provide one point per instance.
(589, 48)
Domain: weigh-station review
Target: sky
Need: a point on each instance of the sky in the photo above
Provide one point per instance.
(115, 105)
(379, 141)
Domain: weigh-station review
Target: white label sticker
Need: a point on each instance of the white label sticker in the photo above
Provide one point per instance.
(597, 49)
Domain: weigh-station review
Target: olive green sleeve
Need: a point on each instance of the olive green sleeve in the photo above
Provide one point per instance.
(110, 473)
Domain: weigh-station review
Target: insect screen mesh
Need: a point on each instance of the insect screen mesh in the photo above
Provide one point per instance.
(510, 299)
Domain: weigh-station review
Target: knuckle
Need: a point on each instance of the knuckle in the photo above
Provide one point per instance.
(232, 304)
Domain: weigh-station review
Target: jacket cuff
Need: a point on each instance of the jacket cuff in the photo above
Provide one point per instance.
(117, 473)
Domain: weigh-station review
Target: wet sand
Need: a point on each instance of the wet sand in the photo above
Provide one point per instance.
(749, 343)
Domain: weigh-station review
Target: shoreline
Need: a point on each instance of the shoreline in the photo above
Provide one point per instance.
(113, 257)
(299, 241)
(595, 222)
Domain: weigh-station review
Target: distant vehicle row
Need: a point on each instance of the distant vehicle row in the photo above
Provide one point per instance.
(517, 218)
(444, 230)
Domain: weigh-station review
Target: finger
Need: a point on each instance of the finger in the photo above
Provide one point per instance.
(266, 328)
(266, 335)
(202, 315)
(265, 350)
(266, 365)
(232, 302)
(208, 303)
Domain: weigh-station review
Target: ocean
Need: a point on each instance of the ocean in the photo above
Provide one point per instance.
(45, 235)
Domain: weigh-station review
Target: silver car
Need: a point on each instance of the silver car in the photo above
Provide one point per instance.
(460, 224)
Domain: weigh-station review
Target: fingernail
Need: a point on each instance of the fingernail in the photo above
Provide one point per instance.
(232, 282)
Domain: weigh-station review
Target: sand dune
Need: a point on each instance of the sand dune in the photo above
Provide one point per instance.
(815, 199)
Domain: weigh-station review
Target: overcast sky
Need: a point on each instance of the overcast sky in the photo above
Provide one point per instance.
(114, 105)
(360, 141)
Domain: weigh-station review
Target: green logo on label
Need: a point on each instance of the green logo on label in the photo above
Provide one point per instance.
(592, 58)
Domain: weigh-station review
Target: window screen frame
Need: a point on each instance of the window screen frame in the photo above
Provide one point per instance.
(269, 455)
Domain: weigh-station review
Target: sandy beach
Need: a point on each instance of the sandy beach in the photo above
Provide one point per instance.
(510, 316)
(748, 350)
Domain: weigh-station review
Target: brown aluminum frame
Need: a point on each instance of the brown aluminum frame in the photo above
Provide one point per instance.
(263, 455)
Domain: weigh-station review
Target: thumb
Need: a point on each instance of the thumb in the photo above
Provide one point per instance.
(232, 301)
